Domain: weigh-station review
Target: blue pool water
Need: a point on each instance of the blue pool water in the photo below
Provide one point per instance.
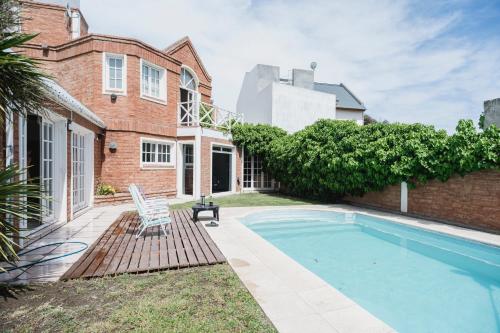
(414, 280)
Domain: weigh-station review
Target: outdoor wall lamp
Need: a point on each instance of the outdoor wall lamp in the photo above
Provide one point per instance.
(113, 98)
(113, 146)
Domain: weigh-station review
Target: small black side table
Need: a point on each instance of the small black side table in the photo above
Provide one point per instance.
(200, 208)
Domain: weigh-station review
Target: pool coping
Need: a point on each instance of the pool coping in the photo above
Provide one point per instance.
(294, 298)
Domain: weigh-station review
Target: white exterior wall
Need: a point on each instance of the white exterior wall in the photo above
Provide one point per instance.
(260, 110)
(293, 108)
(350, 115)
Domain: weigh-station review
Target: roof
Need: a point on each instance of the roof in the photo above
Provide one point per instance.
(174, 47)
(59, 95)
(345, 98)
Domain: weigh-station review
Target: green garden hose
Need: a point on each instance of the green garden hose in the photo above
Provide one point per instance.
(44, 259)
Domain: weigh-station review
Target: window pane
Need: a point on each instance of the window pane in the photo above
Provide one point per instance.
(115, 72)
(145, 79)
(155, 83)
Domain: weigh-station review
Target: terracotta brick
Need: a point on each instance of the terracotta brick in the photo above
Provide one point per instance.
(471, 201)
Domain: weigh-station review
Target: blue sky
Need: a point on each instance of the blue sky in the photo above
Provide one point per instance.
(433, 62)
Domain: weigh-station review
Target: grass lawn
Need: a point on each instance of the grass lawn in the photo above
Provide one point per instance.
(252, 199)
(202, 299)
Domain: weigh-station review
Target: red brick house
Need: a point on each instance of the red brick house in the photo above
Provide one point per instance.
(149, 118)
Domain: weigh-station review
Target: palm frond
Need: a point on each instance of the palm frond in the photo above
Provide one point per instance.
(16, 203)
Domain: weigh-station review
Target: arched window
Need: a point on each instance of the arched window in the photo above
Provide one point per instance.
(188, 81)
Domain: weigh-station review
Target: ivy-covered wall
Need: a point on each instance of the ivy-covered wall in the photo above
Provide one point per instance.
(332, 158)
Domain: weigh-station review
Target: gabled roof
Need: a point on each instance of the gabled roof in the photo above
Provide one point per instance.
(174, 47)
(346, 99)
(59, 95)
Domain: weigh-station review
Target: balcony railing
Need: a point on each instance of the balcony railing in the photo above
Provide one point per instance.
(206, 115)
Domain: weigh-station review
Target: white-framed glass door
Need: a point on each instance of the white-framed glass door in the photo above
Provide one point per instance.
(188, 169)
(47, 169)
(22, 159)
(254, 178)
(78, 171)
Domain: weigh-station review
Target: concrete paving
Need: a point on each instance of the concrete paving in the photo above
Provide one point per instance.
(295, 299)
(86, 228)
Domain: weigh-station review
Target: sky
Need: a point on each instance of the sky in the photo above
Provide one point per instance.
(433, 62)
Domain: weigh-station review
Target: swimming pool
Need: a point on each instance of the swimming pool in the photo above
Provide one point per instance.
(414, 280)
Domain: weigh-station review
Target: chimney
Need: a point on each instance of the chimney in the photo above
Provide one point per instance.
(303, 78)
(75, 24)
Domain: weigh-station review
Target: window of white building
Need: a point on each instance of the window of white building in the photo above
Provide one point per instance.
(115, 74)
(153, 82)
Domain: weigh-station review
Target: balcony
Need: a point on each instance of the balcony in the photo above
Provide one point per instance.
(205, 115)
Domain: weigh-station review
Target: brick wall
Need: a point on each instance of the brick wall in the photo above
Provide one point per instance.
(389, 199)
(472, 201)
(77, 65)
(50, 22)
(122, 167)
(186, 55)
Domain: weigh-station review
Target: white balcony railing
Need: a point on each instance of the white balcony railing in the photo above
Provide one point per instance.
(206, 115)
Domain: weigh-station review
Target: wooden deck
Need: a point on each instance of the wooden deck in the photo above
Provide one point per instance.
(117, 251)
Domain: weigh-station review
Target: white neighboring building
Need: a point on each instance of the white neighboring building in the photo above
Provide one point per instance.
(294, 103)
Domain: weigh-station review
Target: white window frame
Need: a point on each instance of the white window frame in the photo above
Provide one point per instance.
(88, 167)
(162, 98)
(156, 164)
(252, 180)
(105, 74)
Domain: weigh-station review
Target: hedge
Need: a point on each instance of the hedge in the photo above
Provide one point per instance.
(332, 158)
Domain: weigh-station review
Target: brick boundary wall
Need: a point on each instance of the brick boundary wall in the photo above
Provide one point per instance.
(472, 201)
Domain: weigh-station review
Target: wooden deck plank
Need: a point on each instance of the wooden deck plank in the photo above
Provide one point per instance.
(173, 259)
(179, 247)
(101, 269)
(94, 251)
(143, 264)
(210, 243)
(117, 258)
(198, 251)
(107, 247)
(193, 260)
(118, 251)
(136, 255)
(154, 257)
(163, 255)
(206, 250)
(127, 256)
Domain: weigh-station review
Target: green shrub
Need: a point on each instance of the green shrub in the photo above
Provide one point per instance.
(332, 158)
(105, 189)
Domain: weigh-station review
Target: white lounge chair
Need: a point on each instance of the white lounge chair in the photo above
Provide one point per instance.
(157, 204)
(150, 213)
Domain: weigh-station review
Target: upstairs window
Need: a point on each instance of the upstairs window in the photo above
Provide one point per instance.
(153, 82)
(188, 81)
(156, 153)
(115, 73)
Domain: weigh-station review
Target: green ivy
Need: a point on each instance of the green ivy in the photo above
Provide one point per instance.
(332, 158)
